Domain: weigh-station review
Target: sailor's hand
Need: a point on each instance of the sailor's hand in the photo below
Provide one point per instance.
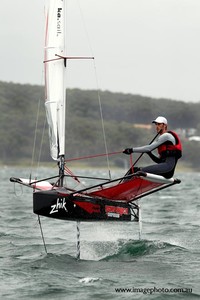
(128, 151)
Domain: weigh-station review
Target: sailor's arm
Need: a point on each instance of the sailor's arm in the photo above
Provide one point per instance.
(148, 148)
(154, 157)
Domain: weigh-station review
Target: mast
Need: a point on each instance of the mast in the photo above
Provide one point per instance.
(55, 65)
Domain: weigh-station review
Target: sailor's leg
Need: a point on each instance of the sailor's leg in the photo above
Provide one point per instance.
(164, 169)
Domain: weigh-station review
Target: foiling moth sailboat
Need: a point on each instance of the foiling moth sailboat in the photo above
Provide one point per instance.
(112, 200)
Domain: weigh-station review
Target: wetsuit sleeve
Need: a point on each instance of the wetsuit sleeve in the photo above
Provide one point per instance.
(161, 140)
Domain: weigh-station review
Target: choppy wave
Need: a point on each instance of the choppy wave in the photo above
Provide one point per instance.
(89, 280)
(128, 250)
(111, 254)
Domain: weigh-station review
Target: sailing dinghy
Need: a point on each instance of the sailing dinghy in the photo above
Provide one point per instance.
(112, 200)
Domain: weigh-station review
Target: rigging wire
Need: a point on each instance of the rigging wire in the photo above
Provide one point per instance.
(85, 28)
(102, 124)
(68, 171)
(39, 156)
(98, 90)
(33, 159)
(35, 135)
(41, 143)
(131, 163)
(92, 156)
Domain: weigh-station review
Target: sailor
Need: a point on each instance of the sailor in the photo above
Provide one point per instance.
(169, 149)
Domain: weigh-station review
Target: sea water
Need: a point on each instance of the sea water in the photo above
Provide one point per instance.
(114, 262)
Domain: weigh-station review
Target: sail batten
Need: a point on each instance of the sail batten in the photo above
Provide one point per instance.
(54, 49)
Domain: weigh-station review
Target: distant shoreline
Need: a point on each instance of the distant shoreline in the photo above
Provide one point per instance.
(181, 167)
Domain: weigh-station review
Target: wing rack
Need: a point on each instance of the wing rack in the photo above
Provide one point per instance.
(110, 201)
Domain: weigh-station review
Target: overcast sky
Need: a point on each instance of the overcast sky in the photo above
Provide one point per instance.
(146, 47)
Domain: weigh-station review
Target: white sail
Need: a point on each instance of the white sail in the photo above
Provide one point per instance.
(54, 75)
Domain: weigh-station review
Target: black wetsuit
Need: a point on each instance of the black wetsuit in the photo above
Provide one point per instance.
(165, 165)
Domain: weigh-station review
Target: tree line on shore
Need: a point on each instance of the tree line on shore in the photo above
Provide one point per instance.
(126, 120)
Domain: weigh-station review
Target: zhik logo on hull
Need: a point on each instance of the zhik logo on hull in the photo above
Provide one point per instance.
(60, 204)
